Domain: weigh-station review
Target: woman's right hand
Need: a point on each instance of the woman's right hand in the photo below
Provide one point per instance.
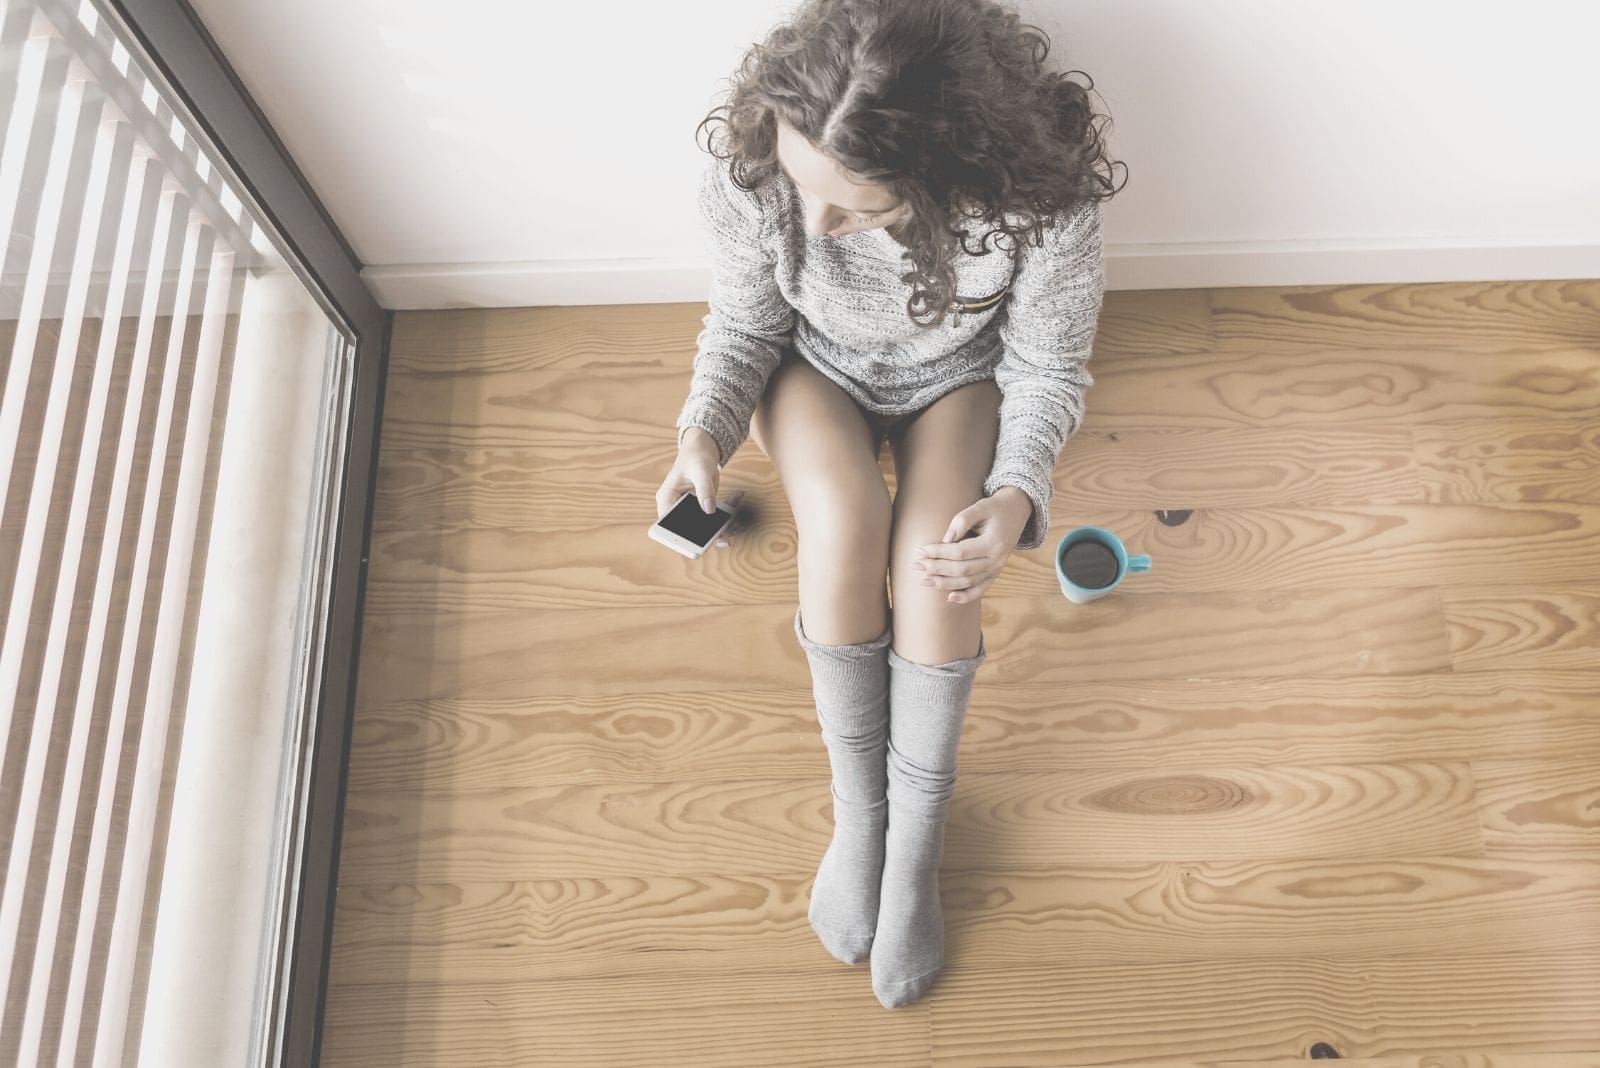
(694, 471)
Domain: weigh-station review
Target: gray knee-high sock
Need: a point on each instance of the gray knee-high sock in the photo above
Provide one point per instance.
(927, 709)
(851, 686)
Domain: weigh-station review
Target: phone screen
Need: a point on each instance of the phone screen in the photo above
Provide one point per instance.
(690, 522)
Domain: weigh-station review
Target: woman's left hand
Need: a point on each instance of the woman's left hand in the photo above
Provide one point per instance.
(966, 566)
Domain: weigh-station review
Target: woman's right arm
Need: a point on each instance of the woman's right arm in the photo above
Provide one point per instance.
(749, 321)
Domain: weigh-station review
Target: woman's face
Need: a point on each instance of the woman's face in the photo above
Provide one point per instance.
(835, 203)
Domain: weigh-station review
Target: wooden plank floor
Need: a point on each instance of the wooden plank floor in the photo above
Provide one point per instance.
(1327, 773)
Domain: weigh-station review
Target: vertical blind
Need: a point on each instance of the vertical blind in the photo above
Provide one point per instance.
(126, 256)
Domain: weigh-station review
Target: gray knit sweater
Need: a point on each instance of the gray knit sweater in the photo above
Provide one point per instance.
(840, 303)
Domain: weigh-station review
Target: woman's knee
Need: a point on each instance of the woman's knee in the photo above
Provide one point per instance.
(842, 556)
(928, 627)
(843, 519)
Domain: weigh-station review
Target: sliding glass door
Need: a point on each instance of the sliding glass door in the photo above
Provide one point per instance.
(186, 443)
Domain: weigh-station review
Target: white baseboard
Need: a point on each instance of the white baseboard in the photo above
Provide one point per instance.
(1128, 266)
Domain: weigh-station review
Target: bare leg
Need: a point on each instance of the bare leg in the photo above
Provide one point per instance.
(941, 459)
(826, 457)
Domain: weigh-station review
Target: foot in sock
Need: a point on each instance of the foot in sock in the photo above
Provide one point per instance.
(927, 709)
(844, 898)
(850, 684)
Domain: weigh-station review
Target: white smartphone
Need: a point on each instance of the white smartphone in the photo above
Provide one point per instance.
(688, 528)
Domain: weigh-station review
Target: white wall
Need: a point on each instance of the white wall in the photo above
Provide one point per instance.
(504, 153)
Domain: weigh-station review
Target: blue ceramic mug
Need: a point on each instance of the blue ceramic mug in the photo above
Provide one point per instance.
(1079, 594)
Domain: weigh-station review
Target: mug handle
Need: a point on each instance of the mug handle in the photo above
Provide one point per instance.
(1138, 563)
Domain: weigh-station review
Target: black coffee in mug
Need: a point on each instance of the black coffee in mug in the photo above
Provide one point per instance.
(1091, 564)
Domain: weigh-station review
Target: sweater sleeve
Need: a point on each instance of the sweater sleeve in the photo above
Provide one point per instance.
(749, 321)
(1046, 329)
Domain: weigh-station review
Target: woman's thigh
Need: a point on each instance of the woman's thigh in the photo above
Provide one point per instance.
(826, 456)
(941, 459)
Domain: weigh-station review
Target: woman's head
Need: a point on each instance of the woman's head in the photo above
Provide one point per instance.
(933, 113)
(836, 202)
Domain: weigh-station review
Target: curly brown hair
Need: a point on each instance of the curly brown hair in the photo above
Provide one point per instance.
(946, 102)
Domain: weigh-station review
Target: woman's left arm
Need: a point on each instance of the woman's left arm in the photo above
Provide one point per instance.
(1046, 328)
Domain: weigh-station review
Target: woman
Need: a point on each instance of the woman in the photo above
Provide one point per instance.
(905, 232)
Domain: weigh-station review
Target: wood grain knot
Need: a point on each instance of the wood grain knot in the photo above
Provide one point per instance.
(1174, 795)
